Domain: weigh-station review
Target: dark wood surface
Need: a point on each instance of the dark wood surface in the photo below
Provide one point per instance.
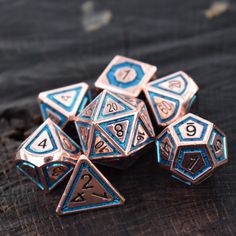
(47, 44)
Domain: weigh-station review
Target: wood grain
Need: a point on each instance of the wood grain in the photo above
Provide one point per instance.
(45, 44)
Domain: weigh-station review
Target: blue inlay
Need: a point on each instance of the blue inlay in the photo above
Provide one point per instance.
(181, 138)
(44, 108)
(20, 166)
(107, 96)
(123, 144)
(223, 138)
(158, 84)
(82, 141)
(149, 139)
(93, 154)
(173, 146)
(115, 199)
(113, 80)
(153, 95)
(85, 101)
(52, 183)
(54, 146)
(180, 156)
(70, 140)
(71, 106)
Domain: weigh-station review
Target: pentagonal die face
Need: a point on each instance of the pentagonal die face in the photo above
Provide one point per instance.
(171, 97)
(192, 148)
(125, 76)
(47, 156)
(114, 127)
(63, 104)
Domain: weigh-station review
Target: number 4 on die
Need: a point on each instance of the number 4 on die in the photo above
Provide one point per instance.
(87, 189)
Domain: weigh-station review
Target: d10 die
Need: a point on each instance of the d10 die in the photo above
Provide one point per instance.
(47, 156)
(126, 76)
(170, 98)
(192, 148)
(113, 127)
(63, 104)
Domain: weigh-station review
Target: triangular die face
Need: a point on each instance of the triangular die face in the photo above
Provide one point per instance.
(43, 142)
(31, 172)
(83, 130)
(89, 111)
(55, 116)
(112, 106)
(119, 130)
(141, 135)
(165, 107)
(55, 172)
(146, 120)
(176, 84)
(101, 147)
(88, 189)
(67, 143)
(65, 99)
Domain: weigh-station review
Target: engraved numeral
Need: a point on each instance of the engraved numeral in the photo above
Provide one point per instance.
(79, 198)
(65, 98)
(43, 144)
(174, 84)
(112, 107)
(193, 162)
(104, 196)
(191, 129)
(125, 75)
(218, 145)
(165, 107)
(119, 130)
(86, 185)
(57, 171)
(165, 148)
(140, 136)
(101, 146)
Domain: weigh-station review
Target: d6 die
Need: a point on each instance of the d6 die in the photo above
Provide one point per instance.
(191, 148)
(113, 127)
(170, 98)
(126, 76)
(47, 156)
(63, 104)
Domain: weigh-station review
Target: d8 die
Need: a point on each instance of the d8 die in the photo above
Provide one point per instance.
(63, 104)
(113, 127)
(170, 98)
(191, 148)
(47, 156)
(126, 76)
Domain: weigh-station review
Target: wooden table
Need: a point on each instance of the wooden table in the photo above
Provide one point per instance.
(48, 44)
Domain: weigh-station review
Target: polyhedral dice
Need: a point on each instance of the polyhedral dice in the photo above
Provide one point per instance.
(192, 148)
(63, 104)
(126, 76)
(114, 128)
(170, 98)
(47, 156)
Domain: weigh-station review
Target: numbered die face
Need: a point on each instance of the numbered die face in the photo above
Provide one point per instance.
(111, 126)
(63, 104)
(192, 148)
(171, 97)
(47, 156)
(126, 76)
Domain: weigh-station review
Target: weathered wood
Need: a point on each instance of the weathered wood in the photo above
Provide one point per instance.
(47, 44)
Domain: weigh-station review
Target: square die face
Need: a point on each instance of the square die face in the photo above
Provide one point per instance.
(125, 76)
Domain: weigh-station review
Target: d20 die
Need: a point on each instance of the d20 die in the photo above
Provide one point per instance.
(63, 104)
(126, 76)
(112, 128)
(47, 156)
(192, 148)
(170, 98)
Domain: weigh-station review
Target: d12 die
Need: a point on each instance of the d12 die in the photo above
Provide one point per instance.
(126, 76)
(191, 148)
(47, 156)
(170, 98)
(63, 104)
(113, 127)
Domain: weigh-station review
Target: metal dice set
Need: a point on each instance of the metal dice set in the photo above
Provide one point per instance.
(133, 110)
